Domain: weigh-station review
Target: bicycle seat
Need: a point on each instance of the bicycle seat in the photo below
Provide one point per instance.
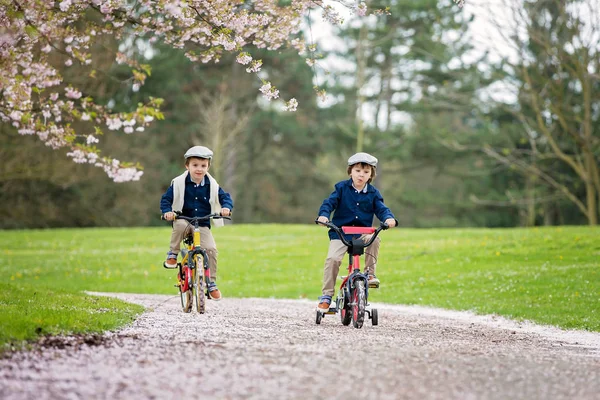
(358, 230)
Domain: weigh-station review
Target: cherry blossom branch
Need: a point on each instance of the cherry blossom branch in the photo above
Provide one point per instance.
(36, 99)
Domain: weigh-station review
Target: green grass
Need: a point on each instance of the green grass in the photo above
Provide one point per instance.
(546, 275)
(28, 311)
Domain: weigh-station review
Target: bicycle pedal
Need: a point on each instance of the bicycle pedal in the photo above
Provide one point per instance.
(373, 286)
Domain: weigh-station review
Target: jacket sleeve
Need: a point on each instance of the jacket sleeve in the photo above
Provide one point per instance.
(331, 203)
(381, 210)
(166, 201)
(225, 199)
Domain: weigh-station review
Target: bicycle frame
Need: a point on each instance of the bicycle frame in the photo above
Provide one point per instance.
(355, 250)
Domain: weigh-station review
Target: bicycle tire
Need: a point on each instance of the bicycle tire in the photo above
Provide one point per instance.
(374, 317)
(186, 295)
(345, 311)
(359, 303)
(200, 289)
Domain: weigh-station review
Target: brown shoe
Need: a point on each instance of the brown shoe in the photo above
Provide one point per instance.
(214, 293)
(170, 263)
(323, 306)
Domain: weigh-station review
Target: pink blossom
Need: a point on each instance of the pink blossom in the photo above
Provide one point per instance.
(361, 10)
(114, 123)
(332, 16)
(64, 5)
(255, 66)
(16, 115)
(121, 58)
(244, 58)
(269, 92)
(291, 105)
(78, 156)
(91, 139)
(72, 93)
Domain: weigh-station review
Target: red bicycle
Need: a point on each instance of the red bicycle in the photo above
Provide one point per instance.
(352, 298)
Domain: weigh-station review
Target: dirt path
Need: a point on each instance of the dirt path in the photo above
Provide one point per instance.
(272, 349)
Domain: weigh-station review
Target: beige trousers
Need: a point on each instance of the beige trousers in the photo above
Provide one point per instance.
(183, 228)
(337, 251)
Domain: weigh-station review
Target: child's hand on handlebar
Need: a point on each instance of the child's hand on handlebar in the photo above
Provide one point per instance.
(391, 222)
(323, 219)
(225, 212)
(169, 216)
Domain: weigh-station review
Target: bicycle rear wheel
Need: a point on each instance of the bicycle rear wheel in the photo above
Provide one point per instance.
(359, 304)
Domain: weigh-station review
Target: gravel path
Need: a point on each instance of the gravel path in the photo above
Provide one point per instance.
(272, 349)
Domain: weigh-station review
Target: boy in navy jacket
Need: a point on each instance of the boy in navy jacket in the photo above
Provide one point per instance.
(354, 203)
(195, 193)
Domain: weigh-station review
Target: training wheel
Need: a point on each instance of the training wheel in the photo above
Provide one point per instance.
(319, 317)
(374, 317)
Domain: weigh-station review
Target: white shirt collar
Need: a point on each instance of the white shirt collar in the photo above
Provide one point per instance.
(364, 190)
(199, 184)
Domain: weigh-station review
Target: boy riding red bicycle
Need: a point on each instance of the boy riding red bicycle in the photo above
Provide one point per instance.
(354, 203)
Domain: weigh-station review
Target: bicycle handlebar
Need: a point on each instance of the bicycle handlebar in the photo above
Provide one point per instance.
(338, 230)
(198, 219)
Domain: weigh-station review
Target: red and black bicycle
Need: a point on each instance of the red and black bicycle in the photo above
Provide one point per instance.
(352, 298)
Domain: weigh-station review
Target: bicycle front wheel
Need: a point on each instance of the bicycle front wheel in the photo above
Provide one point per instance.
(359, 304)
(185, 290)
(344, 307)
(200, 289)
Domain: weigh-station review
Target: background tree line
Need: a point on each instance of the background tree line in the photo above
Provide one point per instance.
(412, 91)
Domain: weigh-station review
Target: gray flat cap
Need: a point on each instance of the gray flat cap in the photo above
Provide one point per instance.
(362, 158)
(200, 152)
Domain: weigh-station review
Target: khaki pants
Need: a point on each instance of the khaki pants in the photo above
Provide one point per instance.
(337, 251)
(183, 228)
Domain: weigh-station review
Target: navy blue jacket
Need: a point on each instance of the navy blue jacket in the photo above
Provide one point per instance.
(353, 208)
(195, 200)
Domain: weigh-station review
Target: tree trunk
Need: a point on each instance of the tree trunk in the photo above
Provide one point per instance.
(361, 66)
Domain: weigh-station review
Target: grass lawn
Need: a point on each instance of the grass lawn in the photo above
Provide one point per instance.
(546, 275)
